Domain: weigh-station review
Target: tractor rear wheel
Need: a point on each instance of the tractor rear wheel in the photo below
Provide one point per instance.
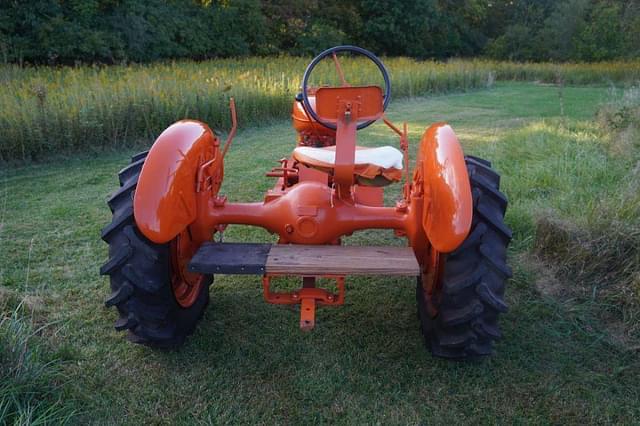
(459, 313)
(159, 304)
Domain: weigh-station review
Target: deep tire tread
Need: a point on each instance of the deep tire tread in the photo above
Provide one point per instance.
(120, 219)
(131, 172)
(473, 159)
(491, 190)
(139, 156)
(116, 261)
(121, 197)
(489, 298)
(140, 275)
(499, 265)
(477, 168)
(473, 282)
(497, 222)
(127, 322)
(139, 244)
(119, 295)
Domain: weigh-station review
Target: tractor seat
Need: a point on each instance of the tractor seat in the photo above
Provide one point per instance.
(373, 166)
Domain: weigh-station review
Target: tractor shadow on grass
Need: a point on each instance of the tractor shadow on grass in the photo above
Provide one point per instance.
(371, 349)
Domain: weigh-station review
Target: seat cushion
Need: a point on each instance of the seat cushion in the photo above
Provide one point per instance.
(370, 163)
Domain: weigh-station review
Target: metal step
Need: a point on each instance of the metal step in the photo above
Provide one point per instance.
(304, 260)
(230, 258)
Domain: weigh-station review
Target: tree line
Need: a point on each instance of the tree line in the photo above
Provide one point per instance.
(121, 31)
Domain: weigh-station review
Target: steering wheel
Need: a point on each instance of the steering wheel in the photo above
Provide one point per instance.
(332, 52)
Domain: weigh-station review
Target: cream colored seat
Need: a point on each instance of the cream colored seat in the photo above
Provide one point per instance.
(372, 166)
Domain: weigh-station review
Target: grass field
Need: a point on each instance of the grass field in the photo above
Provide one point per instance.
(569, 353)
(87, 109)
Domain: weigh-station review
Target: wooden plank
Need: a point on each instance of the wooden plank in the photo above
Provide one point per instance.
(341, 260)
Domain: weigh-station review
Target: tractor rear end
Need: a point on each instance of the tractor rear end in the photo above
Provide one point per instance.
(168, 213)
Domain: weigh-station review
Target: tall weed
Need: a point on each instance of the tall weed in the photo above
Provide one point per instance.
(89, 108)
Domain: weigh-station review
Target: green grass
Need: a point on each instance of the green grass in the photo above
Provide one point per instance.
(30, 372)
(365, 362)
(50, 110)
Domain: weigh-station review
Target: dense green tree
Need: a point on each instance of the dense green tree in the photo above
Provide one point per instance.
(115, 30)
(112, 31)
(601, 36)
(307, 26)
(559, 34)
(583, 30)
(399, 27)
(524, 20)
(460, 27)
(631, 27)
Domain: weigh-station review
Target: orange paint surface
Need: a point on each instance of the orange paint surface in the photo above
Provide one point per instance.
(448, 219)
(165, 199)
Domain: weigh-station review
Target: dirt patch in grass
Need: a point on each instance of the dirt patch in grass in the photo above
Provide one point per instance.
(603, 265)
(546, 279)
(551, 284)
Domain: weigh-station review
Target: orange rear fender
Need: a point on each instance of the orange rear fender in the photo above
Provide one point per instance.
(448, 207)
(165, 198)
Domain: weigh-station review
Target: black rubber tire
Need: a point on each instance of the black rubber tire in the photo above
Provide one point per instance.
(464, 323)
(140, 274)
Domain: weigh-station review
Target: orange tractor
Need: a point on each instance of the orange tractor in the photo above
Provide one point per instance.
(168, 209)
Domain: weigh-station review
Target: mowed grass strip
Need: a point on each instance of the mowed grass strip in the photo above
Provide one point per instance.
(364, 362)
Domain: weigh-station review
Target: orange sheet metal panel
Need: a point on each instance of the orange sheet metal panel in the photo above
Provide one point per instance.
(367, 100)
(447, 219)
(165, 198)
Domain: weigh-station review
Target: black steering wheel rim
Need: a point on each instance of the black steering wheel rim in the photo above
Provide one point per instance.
(336, 49)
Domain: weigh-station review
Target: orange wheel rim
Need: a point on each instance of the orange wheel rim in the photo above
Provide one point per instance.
(432, 279)
(186, 285)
